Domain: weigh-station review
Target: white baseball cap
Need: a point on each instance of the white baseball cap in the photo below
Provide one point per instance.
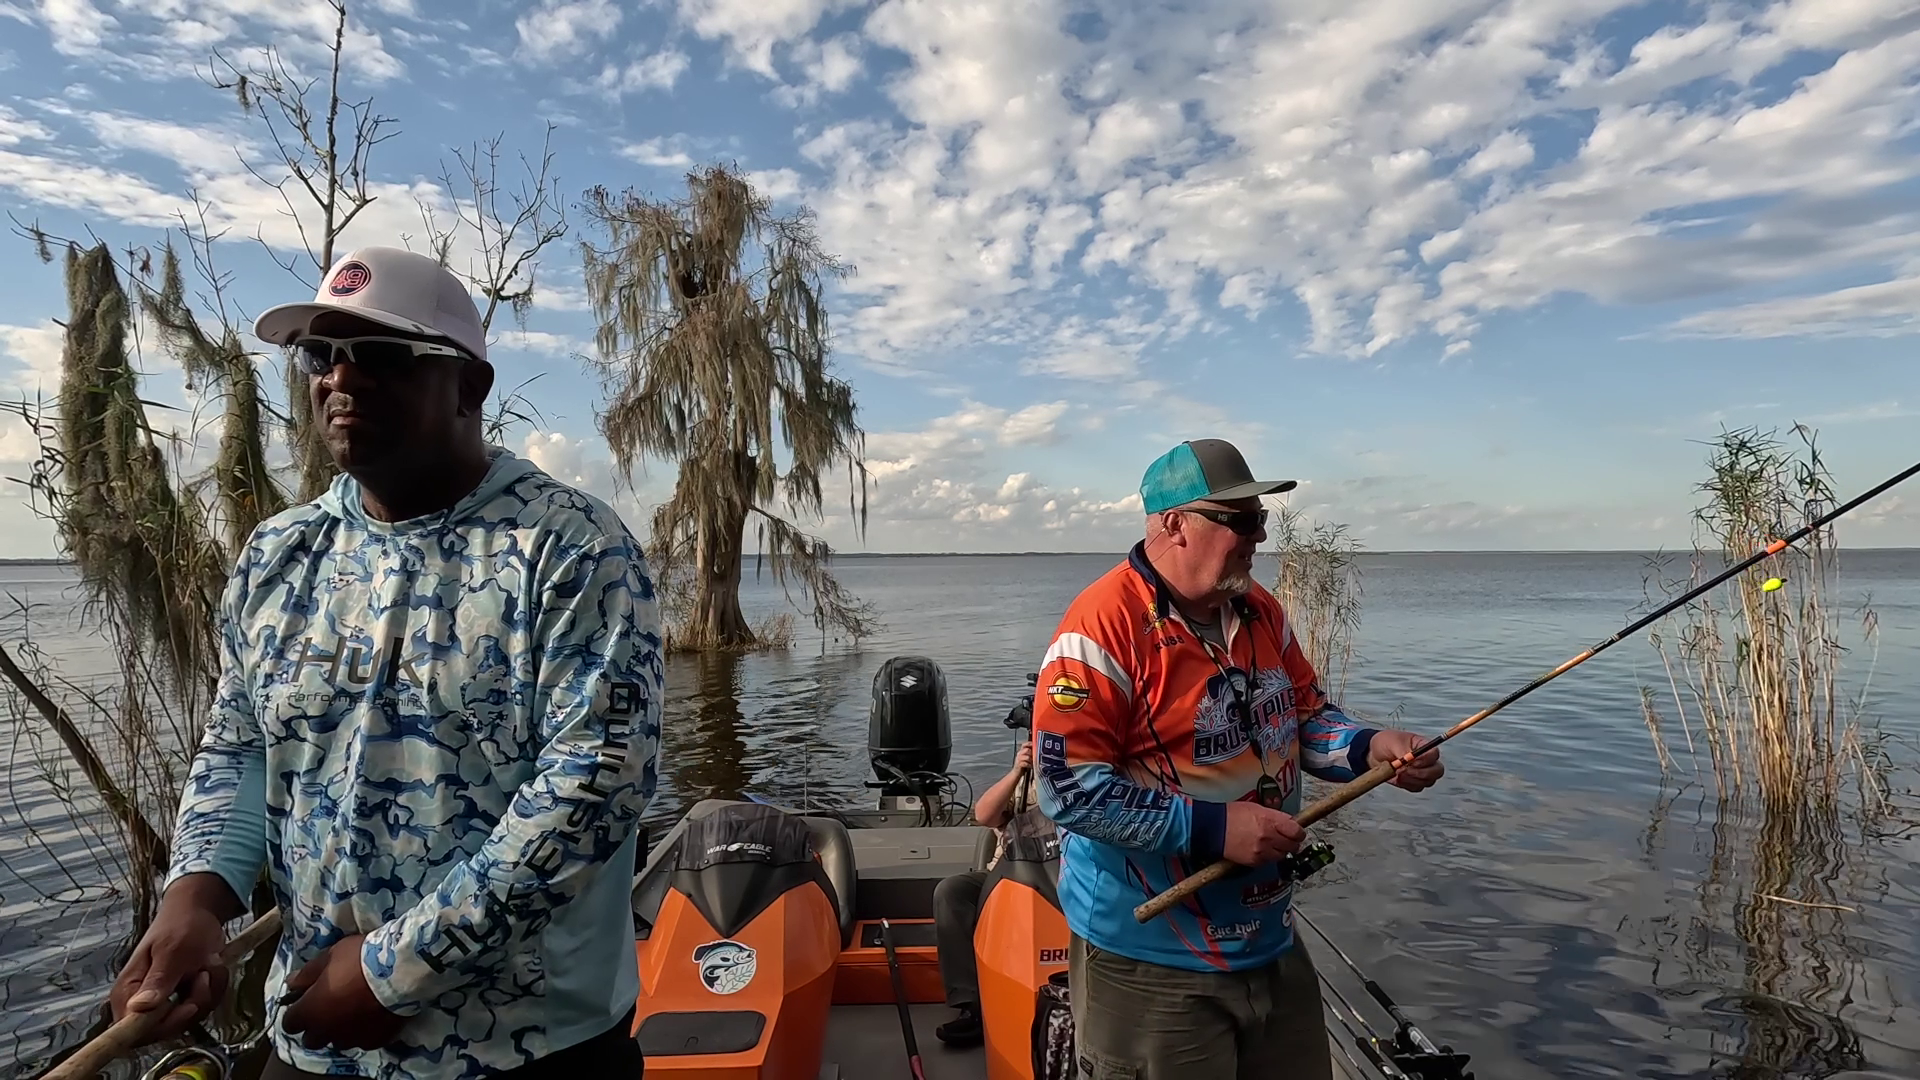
(391, 286)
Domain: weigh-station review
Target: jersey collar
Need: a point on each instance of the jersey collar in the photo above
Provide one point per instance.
(1163, 597)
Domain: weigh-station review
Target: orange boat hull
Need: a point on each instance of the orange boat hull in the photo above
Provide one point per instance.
(769, 986)
(1021, 939)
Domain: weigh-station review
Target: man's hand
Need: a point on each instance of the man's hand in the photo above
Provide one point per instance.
(179, 952)
(1023, 758)
(335, 1006)
(1256, 834)
(1422, 774)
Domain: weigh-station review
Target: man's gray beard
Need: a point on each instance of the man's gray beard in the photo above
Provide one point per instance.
(1234, 584)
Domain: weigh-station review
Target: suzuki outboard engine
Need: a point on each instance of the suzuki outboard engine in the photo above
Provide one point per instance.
(908, 730)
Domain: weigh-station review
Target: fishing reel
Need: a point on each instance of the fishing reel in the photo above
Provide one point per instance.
(191, 1063)
(1306, 862)
(1020, 717)
(1439, 1063)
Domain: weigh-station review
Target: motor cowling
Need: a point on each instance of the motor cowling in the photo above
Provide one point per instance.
(908, 729)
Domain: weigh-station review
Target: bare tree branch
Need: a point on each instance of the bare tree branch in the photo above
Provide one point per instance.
(507, 245)
(309, 145)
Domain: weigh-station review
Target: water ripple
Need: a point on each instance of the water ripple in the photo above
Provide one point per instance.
(1557, 908)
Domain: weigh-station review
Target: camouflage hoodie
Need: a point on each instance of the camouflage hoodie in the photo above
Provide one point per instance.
(442, 733)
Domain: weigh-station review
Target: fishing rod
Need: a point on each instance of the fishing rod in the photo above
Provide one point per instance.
(1342, 1047)
(1370, 1043)
(1413, 1054)
(900, 1003)
(1386, 770)
(1020, 719)
(132, 1030)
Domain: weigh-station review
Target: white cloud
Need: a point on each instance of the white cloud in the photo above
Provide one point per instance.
(1378, 165)
(657, 71)
(968, 431)
(214, 149)
(660, 152)
(752, 28)
(561, 28)
(236, 202)
(51, 181)
(1879, 410)
(15, 128)
(1881, 309)
(1507, 151)
(554, 296)
(34, 352)
(77, 27)
(775, 184)
(1035, 424)
(18, 446)
(540, 341)
(828, 67)
(172, 37)
(938, 488)
(567, 460)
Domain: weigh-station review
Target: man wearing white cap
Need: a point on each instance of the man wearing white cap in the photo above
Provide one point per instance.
(436, 728)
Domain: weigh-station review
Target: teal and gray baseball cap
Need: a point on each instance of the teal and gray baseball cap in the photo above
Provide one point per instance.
(1203, 469)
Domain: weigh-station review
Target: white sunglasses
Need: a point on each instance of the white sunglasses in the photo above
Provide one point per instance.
(376, 356)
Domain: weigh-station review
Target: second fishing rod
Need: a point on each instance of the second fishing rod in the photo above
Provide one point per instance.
(1387, 770)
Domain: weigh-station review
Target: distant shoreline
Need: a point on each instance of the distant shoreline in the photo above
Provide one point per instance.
(1364, 553)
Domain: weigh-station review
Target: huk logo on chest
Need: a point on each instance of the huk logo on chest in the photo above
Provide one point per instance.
(360, 668)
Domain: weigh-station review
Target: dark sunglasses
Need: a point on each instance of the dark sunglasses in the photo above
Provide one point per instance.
(1242, 522)
(377, 356)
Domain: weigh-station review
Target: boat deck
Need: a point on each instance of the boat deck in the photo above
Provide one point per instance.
(896, 863)
(865, 1040)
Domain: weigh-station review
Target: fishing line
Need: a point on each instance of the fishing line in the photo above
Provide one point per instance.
(1370, 1043)
(1414, 1034)
(1413, 1055)
(1386, 770)
(1346, 1053)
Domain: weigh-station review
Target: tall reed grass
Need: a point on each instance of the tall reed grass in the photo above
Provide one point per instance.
(1319, 589)
(1755, 671)
(1797, 767)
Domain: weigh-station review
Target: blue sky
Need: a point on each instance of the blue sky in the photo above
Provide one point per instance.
(1482, 275)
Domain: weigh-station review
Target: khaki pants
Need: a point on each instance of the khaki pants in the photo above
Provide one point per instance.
(956, 911)
(1140, 1021)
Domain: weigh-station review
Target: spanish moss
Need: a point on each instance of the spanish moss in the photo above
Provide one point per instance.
(714, 344)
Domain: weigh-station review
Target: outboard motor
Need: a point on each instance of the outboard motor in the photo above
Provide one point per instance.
(908, 730)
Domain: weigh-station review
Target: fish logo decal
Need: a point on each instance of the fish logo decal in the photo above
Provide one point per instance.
(726, 967)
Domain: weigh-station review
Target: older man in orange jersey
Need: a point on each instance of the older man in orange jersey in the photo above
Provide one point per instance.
(1175, 715)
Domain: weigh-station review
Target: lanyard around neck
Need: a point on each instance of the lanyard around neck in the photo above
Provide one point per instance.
(1243, 704)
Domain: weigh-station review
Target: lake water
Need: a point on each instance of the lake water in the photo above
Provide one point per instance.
(1559, 907)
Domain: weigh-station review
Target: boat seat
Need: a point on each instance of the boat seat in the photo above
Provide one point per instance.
(830, 841)
(984, 846)
(1032, 857)
(835, 848)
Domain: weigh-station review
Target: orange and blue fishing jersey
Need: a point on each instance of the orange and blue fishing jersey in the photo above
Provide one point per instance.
(1144, 732)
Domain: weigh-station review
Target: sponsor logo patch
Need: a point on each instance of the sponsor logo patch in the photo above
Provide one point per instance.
(1266, 894)
(1053, 956)
(351, 279)
(1067, 692)
(1229, 932)
(726, 967)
